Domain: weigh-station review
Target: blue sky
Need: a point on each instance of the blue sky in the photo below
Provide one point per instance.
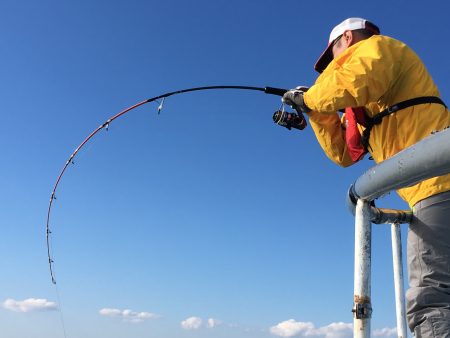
(207, 220)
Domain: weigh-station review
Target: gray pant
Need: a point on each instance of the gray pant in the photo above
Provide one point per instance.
(428, 298)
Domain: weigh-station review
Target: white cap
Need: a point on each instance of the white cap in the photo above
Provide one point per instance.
(349, 24)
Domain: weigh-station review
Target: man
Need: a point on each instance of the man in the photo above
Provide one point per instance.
(364, 73)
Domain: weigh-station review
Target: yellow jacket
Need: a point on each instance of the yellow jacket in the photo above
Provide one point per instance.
(377, 73)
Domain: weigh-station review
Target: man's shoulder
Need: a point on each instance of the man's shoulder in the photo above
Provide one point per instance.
(384, 39)
(385, 45)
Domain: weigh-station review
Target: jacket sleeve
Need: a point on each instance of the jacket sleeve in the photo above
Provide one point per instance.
(331, 136)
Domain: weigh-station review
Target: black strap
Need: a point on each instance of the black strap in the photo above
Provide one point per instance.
(376, 119)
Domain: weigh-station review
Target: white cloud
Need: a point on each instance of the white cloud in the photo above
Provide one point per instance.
(29, 305)
(385, 332)
(213, 323)
(292, 328)
(336, 330)
(128, 315)
(110, 312)
(191, 323)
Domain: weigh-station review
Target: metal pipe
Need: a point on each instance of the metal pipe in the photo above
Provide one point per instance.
(379, 216)
(386, 216)
(362, 308)
(406, 168)
(398, 280)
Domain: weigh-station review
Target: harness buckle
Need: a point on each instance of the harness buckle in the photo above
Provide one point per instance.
(392, 109)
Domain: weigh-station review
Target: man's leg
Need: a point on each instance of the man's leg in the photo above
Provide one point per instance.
(428, 299)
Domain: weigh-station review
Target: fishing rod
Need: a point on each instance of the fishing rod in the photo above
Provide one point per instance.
(285, 119)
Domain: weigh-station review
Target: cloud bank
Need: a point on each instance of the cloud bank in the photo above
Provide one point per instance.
(128, 315)
(191, 323)
(213, 323)
(292, 328)
(195, 323)
(29, 305)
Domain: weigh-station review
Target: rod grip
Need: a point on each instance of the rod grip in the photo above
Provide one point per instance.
(275, 91)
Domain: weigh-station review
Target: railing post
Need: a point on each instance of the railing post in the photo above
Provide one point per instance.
(398, 280)
(362, 307)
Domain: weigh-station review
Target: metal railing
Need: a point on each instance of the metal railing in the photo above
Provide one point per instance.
(428, 158)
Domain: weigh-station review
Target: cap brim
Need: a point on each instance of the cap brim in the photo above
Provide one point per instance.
(324, 59)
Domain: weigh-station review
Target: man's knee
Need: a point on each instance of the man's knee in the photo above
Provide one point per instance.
(428, 312)
(437, 326)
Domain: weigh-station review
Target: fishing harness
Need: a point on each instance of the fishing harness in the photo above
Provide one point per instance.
(370, 122)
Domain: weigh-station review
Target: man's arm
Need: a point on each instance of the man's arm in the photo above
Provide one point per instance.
(331, 136)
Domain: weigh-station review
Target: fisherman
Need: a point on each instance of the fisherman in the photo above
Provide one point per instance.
(363, 74)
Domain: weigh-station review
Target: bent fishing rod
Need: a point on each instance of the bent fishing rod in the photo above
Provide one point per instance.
(286, 119)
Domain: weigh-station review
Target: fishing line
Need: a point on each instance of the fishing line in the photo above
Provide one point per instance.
(60, 311)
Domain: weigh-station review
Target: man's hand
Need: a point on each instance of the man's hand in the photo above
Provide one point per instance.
(294, 98)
